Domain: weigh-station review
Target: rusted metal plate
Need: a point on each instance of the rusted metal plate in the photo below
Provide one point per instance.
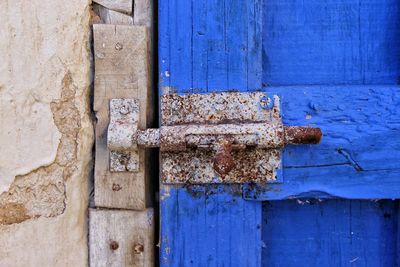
(219, 108)
(124, 161)
(234, 151)
(196, 167)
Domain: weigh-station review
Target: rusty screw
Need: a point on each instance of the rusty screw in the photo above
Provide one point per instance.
(118, 46)
(138, 248)
(114, 245)
(266, 103)
(116, 187)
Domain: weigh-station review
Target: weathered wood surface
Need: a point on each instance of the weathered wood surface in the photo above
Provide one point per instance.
(122, 70)
(360, 150)
(311, 42)
(143, 12)
(333, 232)
(123, 6)
(121, 238)
(108, 16)
(331, 42)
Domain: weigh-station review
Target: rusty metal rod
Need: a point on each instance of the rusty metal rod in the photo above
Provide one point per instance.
(302, 135)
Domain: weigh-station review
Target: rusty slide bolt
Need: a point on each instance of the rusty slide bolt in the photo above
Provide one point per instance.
(124, 134)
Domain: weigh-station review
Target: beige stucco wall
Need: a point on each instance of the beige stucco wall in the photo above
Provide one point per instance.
(45, 132)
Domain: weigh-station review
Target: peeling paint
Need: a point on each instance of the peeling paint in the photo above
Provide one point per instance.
(42, 191)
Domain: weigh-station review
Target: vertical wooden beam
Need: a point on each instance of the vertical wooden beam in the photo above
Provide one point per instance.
(143, 12)
(122, 70)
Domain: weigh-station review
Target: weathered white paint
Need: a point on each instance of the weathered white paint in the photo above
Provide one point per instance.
(31, 71)
(46, 132)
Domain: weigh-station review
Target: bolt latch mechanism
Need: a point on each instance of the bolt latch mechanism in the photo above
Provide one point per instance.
(225, 142)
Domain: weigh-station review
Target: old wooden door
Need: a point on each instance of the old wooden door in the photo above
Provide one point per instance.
(335, 65)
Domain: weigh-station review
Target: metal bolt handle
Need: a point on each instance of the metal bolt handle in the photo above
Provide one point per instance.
(224, 138)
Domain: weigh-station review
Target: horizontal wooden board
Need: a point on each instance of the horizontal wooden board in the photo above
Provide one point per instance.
(331, 42)
(360, 149)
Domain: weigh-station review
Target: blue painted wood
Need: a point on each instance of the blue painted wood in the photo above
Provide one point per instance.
(330, 233)
(331, 42)
(209, 46)
(209, 227)
(360, 150)
(221, 45)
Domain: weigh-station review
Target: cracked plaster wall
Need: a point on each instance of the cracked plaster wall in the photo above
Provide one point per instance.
(46, 133)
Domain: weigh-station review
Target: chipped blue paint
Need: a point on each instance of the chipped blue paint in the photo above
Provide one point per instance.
(335, 64)
(359, 153)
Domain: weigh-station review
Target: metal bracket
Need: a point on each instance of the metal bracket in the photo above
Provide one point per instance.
(211, 138)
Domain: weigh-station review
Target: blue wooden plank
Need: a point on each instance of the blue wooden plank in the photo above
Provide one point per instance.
(198, 226)
(331, 42)
(164, 49)
(236, 42)
(209, 225)
(200, 46)
(180, 44)
(360, 149)
(254, 46)
(216, 45)
(330, 233)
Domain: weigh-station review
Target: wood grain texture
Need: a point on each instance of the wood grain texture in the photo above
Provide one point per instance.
(330, 233)
(123, 6)
(305, 43)
(209, 226)
(109, 16)
(122, 71)
(359, 152)
(143, 13)
(121, 238)
(203, 47)
(331, 42)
